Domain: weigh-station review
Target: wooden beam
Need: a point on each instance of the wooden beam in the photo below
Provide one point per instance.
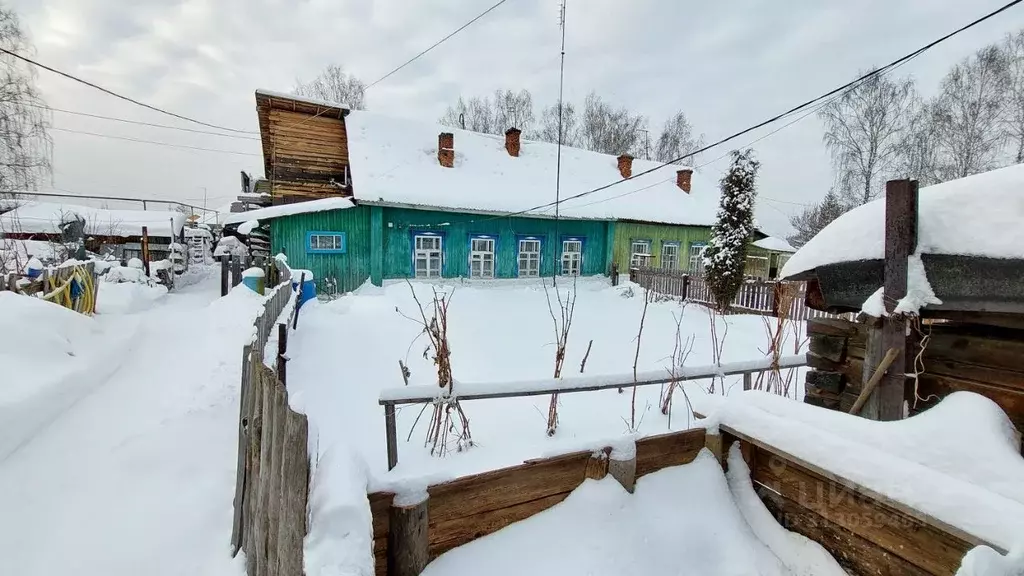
(408, 539)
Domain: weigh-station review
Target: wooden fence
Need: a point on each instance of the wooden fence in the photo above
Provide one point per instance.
(272, 474)
(426, 394)
(72, 286)
(454, 513)
(867, 533)
(754, 297)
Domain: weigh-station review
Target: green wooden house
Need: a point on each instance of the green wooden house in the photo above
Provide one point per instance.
(359, 196)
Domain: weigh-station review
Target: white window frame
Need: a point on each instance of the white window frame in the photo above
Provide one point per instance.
(696, 259)
(756, 267)
(669, 261)
(572, 260)
(640, 253)
(481, 251)
(533, 257)
(429, 254)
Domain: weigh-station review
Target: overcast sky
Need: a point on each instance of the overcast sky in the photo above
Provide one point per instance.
(726, 64)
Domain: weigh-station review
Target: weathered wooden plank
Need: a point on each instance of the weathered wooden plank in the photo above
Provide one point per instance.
(295, 494)
(833, 327)
(408, 539)
(252, 486)
(918, 542)
(280, 415)
(263, 479)
(241, 465)
(507, 487)
(826, 381)
(673, 449)
(453, 533)
(858, 556)
(1011, 400)
(829, 347)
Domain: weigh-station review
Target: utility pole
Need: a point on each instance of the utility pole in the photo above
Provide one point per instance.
(558, 161)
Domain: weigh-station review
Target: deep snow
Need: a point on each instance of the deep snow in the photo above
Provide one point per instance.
(136, 474)
(681, 520)
(958, 462)
(346, 351)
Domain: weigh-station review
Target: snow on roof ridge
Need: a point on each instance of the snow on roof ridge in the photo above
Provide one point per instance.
(954, 217)
(304, 99)
(306, 207)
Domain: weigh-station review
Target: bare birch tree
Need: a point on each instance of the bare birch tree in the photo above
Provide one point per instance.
(475, 115)
(334, 85)
(968, 115)
(677, 139)
(513, 110)
(1013, 121)
(918, 155)
(863, 130)
(570, 125)
(25, 145)
(610, 130)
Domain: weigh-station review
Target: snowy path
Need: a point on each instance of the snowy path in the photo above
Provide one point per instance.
(136, 477)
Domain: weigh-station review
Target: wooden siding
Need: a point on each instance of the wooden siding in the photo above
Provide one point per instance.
(349, 270)
(304, 148)
(399, 224)
(658, 234)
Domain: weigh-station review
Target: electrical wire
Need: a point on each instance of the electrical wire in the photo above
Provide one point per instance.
(849, 85)
(121, 96)
(434, 45)
(136, 122)
(142, 141)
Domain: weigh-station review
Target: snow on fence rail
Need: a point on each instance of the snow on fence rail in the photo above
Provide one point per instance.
(866, 532)
(272, 474)
(391, 397)
(754, 297)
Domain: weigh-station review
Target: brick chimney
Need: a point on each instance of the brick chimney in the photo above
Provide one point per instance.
(512, 141)
(625, 165)
(683, 179)
(446, 149)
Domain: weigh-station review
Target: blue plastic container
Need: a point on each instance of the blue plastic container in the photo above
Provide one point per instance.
(308, 290)
(255, 280)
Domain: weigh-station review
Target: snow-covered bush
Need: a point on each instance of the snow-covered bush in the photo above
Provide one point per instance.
(726, 253)
(229, 245)
(118, 274)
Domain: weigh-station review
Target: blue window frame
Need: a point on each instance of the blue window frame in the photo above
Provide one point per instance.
(529, 256)
(326, 242)
(427, 254)
(572, 255)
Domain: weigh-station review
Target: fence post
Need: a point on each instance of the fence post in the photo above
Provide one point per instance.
(145, 249)
(223, 274)
(686, 286)
(408, 537)
(236, 270)
(391, 435)
(282, 348)
(747, 380)
(623, 469)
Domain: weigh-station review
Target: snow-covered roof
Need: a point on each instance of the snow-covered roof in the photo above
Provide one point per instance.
(303, 99)
(394, 161)
(774, 244)
(978, 215)
(287, 210)
(45, 218)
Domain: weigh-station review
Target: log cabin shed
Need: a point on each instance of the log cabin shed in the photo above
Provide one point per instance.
(421, 200)
(964, 271)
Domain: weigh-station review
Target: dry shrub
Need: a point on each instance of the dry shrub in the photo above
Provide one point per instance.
(448, 422)
(562, 324)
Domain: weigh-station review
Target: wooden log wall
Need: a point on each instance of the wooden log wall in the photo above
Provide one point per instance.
(468, 508)
(866, 533)
(957, 356)
(304, 151)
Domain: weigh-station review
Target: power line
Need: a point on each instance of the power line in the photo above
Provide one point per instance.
(122, 97)
(150, 124)
(435, 45)
(168, 144)
(785, 114)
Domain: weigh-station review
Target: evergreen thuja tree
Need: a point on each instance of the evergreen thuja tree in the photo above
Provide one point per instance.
(726, 253)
